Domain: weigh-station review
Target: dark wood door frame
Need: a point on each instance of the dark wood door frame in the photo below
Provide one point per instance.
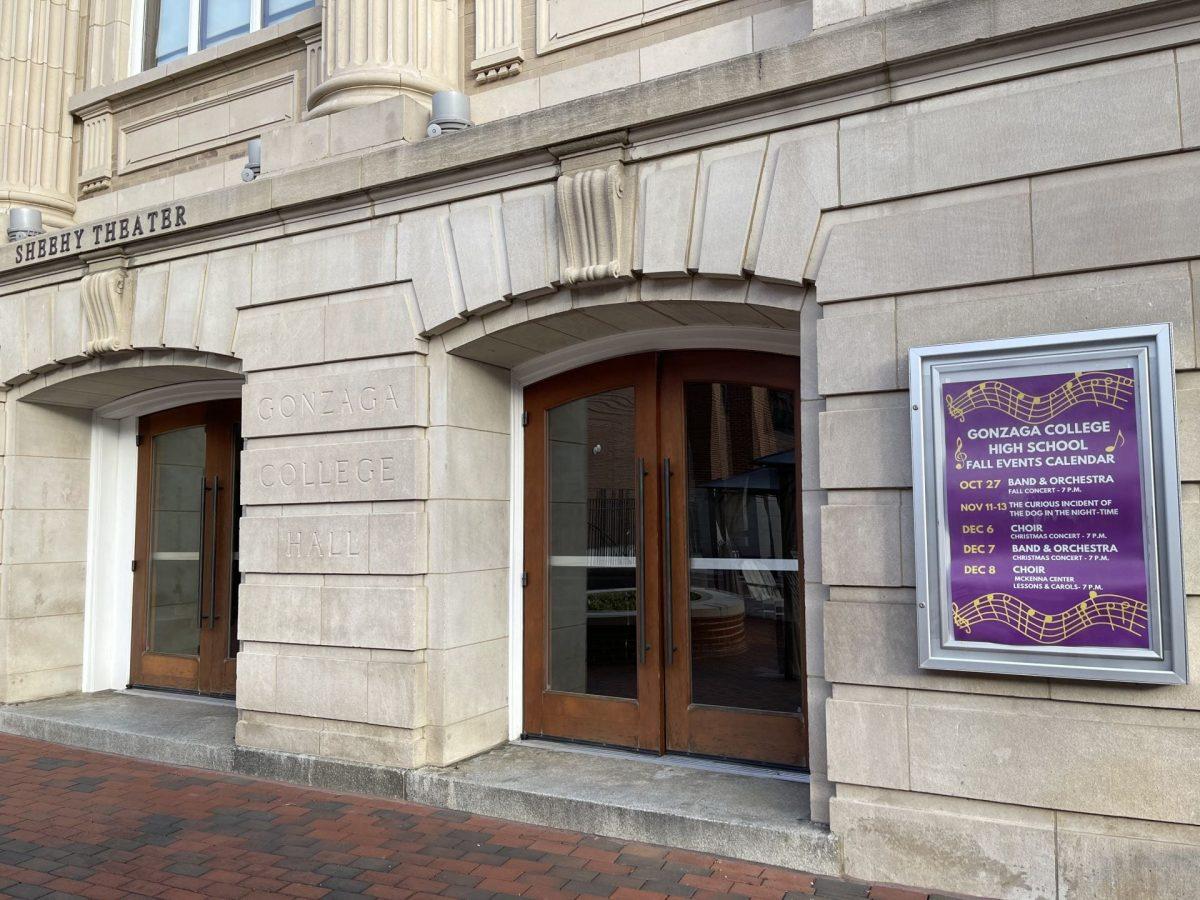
(213, 669)
(605, 720)
(663, 719)
(702, 729)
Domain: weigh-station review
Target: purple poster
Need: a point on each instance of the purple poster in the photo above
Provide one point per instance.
(1044, 510)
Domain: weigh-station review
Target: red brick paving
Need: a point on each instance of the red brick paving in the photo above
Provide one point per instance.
(79, 824)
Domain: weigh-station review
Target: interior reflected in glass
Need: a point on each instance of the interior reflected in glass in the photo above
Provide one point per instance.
(221, 20)
(177, 504)
(166, 31)
(592, 644)
(171, 24)
(276, 10)
(744, 589)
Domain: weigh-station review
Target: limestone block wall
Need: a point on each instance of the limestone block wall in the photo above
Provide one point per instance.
(832, 12)
(1031, 215)
(530, 54)
(43, 553)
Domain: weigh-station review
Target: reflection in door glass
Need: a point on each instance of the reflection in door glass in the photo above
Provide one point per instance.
(592, 636)
(177, 504)
(744, 573)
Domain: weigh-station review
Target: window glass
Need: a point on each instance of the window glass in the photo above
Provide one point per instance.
(167, 33)
(593, 627)
(221, 20)
(170, 26)
(274, 10)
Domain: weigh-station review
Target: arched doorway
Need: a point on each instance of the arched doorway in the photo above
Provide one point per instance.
(663, 603)
(104, 417)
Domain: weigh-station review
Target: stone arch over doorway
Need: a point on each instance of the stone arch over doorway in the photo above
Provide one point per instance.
(70, 460)
(558, 332)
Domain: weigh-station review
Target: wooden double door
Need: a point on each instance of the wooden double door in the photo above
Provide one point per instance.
(663, 589)
(184, 569)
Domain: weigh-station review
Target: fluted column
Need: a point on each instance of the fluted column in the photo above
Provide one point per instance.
(376, 49)
(39, 68)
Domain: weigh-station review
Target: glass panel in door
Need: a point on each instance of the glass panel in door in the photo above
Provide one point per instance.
(177, 524)
(744, 591)
(592, 665)
(593, 602)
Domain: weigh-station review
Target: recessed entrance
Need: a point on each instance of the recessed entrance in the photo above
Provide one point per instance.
(664, 609)
(184, 580)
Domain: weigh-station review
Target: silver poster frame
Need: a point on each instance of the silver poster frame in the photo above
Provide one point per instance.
(1147, 349)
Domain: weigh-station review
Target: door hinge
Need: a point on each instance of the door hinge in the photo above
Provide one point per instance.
(138, 441)
(524, 419)
(133, 565)
(524, 579)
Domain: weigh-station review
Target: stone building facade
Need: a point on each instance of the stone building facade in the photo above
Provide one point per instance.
(788, 195)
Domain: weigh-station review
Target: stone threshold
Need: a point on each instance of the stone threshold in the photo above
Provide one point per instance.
(720, 810)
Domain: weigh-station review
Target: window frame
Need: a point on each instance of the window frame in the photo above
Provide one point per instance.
(138, 49)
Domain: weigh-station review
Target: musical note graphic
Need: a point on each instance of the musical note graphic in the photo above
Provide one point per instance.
(1119, 442)
(1114, 610)
(1100, 388)
(960, 455)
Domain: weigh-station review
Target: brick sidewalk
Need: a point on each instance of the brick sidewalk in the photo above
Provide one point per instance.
(76, 823)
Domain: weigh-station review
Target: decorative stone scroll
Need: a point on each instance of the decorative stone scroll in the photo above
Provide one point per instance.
(108, 308)
(594, 213)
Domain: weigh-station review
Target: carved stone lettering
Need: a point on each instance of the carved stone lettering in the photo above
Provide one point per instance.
(374, 470)
(386, 398)
(92, 237)
(322, 544)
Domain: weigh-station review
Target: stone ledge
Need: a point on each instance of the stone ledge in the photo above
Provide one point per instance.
(877, 50)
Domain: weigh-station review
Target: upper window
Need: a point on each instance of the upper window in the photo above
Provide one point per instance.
(175, 28)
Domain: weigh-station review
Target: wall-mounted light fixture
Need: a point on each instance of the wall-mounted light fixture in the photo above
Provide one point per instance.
(253, 159)
(451, 112)
(23, 222)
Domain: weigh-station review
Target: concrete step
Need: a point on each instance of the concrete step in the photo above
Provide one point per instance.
(181, 730)
(637, 798)
(167, 728)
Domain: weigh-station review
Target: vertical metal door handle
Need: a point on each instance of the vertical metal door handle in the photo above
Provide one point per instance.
(639, 560)
(668, 598)
(212, 554)
(200, 555)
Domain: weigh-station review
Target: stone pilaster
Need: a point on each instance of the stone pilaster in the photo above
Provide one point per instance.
(383, 48)
(497, 40)
(95, 149)
(39, 68)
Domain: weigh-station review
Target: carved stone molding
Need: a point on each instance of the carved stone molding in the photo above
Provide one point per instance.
(108, 308)
(595, 212)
